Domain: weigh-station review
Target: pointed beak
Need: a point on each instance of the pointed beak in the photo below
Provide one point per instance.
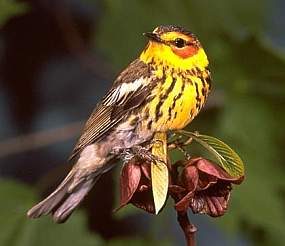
(153, 36)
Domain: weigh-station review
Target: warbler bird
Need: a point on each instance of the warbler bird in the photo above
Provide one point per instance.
(162, 90)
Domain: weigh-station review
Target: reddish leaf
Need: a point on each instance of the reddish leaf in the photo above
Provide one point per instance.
(197, 205)
(184, 203)
(212, 201)
(177, 190)
(189, 178)
(213, 169)
(129, 181)
(205, 181)
(144, 200)
(145, 167)
(206, 187)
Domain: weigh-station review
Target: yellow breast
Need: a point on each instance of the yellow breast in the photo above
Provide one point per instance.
(176, 101)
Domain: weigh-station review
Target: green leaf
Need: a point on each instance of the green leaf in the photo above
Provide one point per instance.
(227, 157)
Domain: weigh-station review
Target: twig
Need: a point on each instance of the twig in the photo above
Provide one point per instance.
(188, 228)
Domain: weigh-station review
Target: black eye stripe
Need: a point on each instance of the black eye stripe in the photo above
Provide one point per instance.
(178, 42)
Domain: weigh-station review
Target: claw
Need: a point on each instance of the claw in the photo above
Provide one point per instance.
(145, 154)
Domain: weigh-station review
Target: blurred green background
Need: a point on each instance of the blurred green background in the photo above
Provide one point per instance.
(57, 58)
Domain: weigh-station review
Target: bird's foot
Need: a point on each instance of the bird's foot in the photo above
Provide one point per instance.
(144, 153)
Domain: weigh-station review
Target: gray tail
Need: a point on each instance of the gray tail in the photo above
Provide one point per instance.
(62, 202)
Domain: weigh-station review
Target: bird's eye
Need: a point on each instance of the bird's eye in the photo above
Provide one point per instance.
(179, 42)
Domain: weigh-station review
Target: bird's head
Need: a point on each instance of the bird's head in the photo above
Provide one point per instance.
(174, 46)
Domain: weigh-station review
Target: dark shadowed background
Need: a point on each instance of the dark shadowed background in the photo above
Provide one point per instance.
(57, 58)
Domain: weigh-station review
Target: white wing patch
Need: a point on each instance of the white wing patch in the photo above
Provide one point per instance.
(123, 90)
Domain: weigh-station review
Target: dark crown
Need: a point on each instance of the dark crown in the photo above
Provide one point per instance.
(171, 28)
